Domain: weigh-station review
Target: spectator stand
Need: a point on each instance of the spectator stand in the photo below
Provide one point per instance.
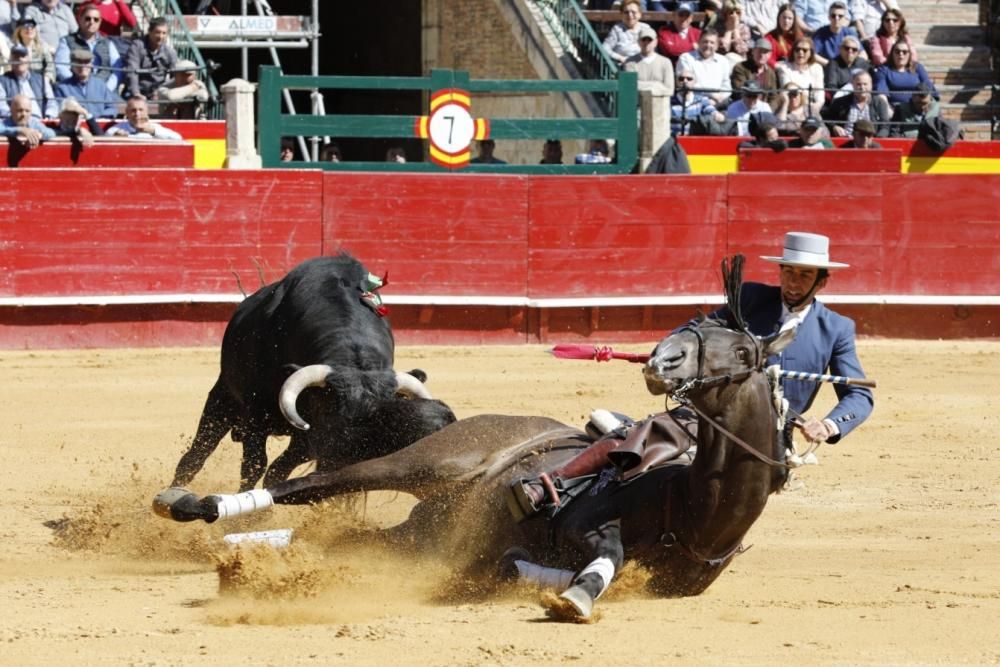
(273, 124)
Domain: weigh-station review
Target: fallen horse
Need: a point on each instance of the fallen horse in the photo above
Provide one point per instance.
(684, 524)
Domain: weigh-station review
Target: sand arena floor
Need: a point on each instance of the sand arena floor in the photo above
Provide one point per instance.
(887, 553)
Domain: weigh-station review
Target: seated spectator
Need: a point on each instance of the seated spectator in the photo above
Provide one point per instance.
(4, 48)
(9, 14)
(688, 107)
(864, 133)
(892, 30)
(97, 99)
(792, 110)
(598, 152)
(186, 94)
(21, 80)
(70, 116)
(811, 14)
(785, 35)
(844, 111)
(288, 149)
(40, 55)
(552, 152)
(22, 126)
(138, 125)
(622, 41)
(330, 153)
(486, 148)
(678, 36)
(115, 15)
(765, 135)
(828, 39)
(149, 61)
(734, 35)
(898, 78)
(806, 72)
(396, 154)
(909, 115)
(54, 19)
(751, 102)
(107, 62)
(837, 73)
(711, 69)
(653, 69)
(761, 16)
(812, 135)
(756, 68)
(867, 16)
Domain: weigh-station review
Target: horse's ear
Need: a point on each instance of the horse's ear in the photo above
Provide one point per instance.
(775, 343)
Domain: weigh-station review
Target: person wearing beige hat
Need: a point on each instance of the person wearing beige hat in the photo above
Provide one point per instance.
(76, 123)
(651, 67)
(186, 93)
(824, 343)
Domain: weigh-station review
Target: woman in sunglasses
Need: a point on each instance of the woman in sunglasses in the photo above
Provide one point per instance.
(40, 54)
(901, 76)
(892, 30)
(804, 71)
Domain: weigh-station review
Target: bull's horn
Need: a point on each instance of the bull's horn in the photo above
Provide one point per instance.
(307, 376)
(411, 386)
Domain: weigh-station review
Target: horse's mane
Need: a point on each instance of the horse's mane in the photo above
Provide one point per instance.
(732, 279)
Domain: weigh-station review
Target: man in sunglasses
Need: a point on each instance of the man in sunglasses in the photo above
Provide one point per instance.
(107, 62)
(827, 40)
(838, 72)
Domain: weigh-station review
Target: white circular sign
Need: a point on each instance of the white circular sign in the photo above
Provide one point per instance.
(451, 128)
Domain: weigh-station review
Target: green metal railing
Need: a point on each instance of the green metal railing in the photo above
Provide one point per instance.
(575, 34)
(274, 124)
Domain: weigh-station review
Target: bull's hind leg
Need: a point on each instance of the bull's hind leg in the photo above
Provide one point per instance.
(217, 418)
(254, 458)
(297, 453)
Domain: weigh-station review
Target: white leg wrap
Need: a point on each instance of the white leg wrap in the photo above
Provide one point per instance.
(604, 568)
(543, 577)
(234, 504)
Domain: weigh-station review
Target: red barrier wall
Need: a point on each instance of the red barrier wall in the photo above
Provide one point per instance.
(150, 257)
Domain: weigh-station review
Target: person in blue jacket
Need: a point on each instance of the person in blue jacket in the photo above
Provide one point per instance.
(824, 343)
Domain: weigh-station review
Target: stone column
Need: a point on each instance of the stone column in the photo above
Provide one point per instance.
(654, 121)
(241, 152)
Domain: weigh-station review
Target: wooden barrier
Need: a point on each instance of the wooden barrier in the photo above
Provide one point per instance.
(868, 161)
(106, 152)
(155, 257)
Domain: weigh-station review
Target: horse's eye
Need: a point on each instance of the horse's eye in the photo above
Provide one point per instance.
(742, 354)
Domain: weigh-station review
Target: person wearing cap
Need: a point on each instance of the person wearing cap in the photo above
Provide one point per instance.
(22, 126)
(678, 36)
(187, 93)
(909, 115)
(838, 72)
(843, 112)
(149, 61)
(757, 68)
(107, 62)
(20, 80)
(829, 38)
(812, 135)
(751, 102)
(824, 343)
(98, 101)
(76, 124)
(40, 55)
(712, 69)
(138, 125)
(653, 69)
(864, 135)
(54, 18)
(622, 41)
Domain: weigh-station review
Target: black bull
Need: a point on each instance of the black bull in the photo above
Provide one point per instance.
(311, 329)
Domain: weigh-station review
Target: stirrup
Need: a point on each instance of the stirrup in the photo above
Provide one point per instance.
(520, 502)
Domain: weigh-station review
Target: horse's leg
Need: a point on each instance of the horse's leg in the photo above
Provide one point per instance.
(217, 418)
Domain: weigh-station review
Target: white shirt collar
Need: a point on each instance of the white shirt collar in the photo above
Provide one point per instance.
(790, 319)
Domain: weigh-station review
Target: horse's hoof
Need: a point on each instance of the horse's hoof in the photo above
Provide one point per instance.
(181, 505)
(573, 604)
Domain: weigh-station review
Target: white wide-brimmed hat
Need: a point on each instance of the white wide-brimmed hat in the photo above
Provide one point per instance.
(804, 249)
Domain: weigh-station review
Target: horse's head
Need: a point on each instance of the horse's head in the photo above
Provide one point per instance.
(712, 352)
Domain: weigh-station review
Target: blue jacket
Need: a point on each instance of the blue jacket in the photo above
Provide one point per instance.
(824, 343)
(94, 96)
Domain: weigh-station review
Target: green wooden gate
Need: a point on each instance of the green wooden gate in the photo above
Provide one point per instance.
(274, 124)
